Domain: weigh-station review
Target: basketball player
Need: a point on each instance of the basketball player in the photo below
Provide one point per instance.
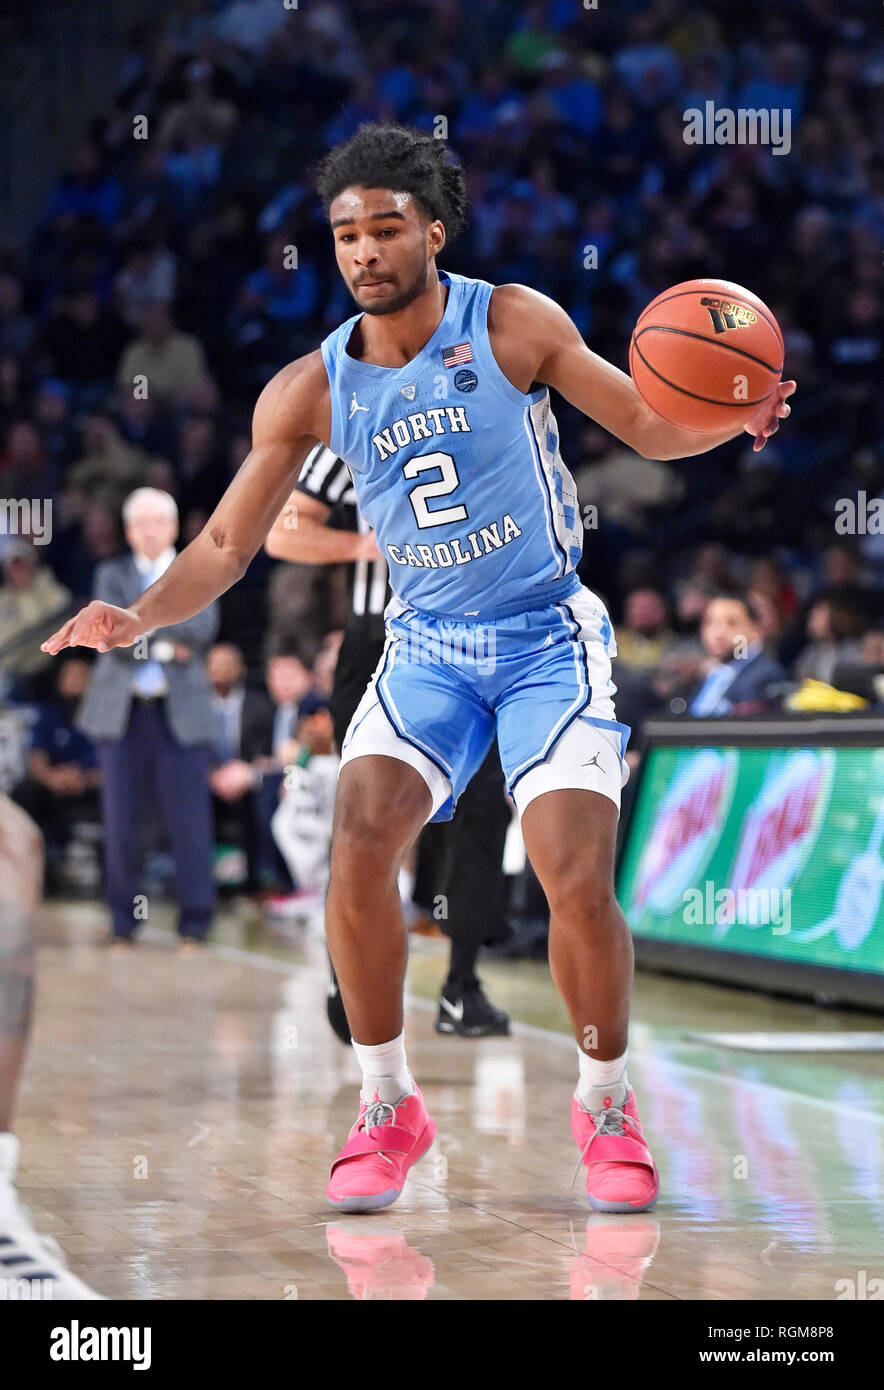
(436, 394)
(29, 1262)
(473, 881)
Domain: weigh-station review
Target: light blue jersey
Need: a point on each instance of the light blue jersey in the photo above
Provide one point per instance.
(458, 472)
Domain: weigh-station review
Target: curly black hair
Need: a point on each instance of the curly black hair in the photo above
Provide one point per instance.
(404, 160)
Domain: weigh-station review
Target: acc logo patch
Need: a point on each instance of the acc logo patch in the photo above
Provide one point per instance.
(466, 381)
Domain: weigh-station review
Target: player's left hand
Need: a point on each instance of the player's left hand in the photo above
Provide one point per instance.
(768, 423)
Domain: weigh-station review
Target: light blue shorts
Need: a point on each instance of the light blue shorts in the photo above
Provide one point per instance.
(540, 679)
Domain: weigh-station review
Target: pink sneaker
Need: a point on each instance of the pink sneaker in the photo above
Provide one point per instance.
(620, 1173)
(370, 1171)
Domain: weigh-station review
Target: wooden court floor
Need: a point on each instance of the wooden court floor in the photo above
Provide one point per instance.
(178, 1116)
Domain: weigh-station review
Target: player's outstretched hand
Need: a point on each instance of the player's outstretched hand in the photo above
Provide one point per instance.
(98, 625)
(769, 422)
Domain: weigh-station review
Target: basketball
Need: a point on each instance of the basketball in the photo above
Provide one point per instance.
(706, 355)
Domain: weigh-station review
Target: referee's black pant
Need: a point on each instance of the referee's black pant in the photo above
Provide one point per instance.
(460, 860)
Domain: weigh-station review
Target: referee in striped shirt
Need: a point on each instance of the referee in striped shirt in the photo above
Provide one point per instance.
(321, 524)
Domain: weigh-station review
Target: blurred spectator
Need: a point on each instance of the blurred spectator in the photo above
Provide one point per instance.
(201, 111)
(864, 677)
(626, 488)
(575, 98)
(202, 467)
(288, 682)
(712, 568)
(644, 637)
(250, 24)
(148, 277)
(16, 327)
(842, 570)
(302, 823)
(767, 577)
(145, 423)
(741, 678)
(50, 405)
(834, 626)
(109, 468)
(243, 723)
(279, 290)
(778, 83)
(533, 42)
(26, 471)
(173, 364)
(242, 747)
(649, 70)
(81, 342)
(84, 189)
(61, 786)
(855, 358)
(768, 616)
(32, 605)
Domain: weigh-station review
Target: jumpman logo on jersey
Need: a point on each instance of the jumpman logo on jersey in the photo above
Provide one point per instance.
(354, 406)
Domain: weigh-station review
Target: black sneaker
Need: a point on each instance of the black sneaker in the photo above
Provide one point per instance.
(334, 1007)
(464, 1009)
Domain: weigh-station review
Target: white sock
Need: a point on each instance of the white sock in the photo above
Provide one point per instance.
(384, 1069)
(599, 1080)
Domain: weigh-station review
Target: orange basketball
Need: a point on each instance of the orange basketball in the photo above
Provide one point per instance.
(706, 355)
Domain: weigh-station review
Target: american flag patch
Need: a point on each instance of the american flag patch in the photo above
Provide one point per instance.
(454, 356)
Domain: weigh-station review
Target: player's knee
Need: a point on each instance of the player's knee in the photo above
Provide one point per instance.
(581, 896)
(378, 813)
(367, 841)
(356, 844)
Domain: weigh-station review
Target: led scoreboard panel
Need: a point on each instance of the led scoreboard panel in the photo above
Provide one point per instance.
(754, 852)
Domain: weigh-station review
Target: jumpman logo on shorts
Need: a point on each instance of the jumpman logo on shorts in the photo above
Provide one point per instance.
(354, 406)
(594, 762)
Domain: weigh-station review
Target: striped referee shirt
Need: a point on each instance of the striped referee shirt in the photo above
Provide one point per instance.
(327, 477)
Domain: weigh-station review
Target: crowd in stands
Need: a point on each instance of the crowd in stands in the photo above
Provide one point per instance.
(182, 246)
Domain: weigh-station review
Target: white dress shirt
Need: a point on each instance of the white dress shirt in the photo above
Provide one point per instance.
(149, 679)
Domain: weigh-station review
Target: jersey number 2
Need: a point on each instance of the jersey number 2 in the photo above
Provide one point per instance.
(441, 487)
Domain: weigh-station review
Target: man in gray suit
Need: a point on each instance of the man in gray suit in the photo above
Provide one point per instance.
(148, 710)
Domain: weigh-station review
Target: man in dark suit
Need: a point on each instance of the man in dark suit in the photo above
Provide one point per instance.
(148, 711)
(742, 678)
(242, 746)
